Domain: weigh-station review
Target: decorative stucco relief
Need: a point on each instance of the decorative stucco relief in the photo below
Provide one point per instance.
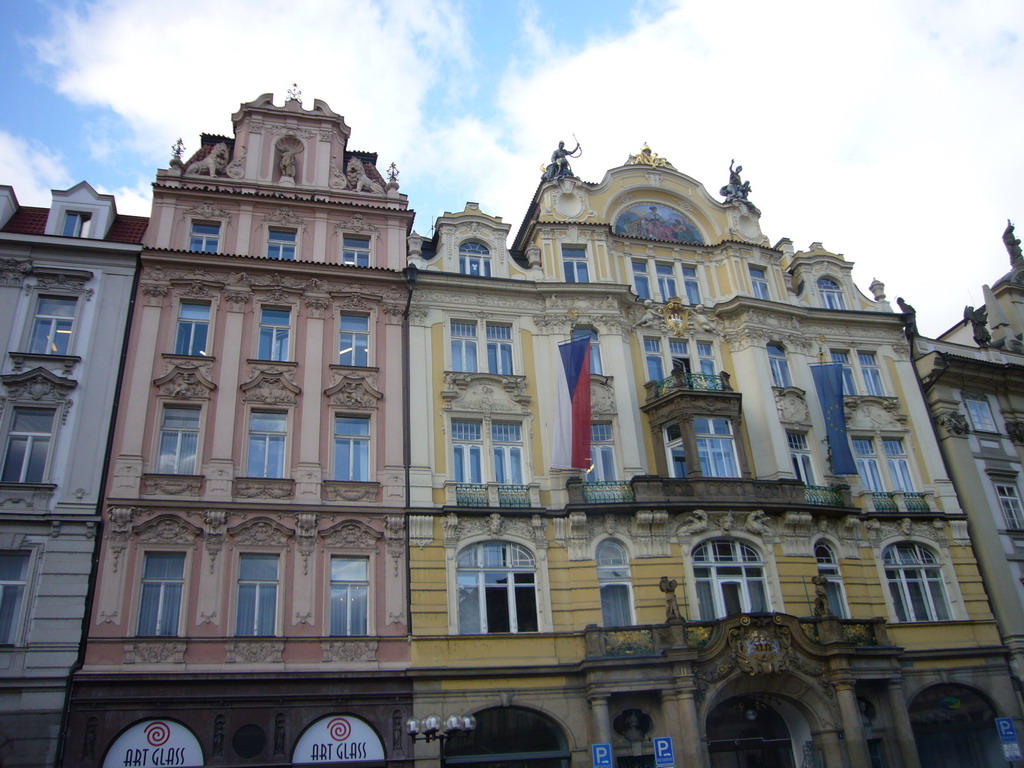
(353, 389)
(792, 406)
(155, 652)
(349, 650)
(167, 530)
(486, 393)
(351, 535)
(874, 413)
(270, 384)
(255, 651)
(260, 532)
(186, 381)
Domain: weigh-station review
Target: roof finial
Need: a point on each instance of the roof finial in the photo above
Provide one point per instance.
(294, 94)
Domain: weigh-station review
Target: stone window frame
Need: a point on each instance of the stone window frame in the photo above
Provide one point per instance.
(20, 623)
(161, 404)
(279, 604)
(136, 603)
(953, 602)
(626, 581)
(289, 414)
(371, 424)
(59, 283)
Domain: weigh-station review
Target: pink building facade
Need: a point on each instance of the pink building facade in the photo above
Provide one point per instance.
(251, 585)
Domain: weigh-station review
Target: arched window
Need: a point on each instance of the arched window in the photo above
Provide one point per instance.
(915, 583)
(497, 589)
(474, 259)
(831, 294)
(730, 579)
(510, 737)
(828, 566)
(614, 581)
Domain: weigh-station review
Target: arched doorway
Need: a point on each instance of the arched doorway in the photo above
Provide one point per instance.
(747, 732)
(510, 737)
(954, 727)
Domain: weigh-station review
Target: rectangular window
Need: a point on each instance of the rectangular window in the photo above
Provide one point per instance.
(679, 352)
(499, 348)
(257, 596)
(163, 577)
(706, 358)
(800, 455)
(352, 448)
(474, 259)
(28, 445)
(350, 589)
(13, 580)
(507, 443)
(281, 244)
(193, 328)
(843, 358)
(691, 285)
(1009, 502)
(867, 464)
(595, 348)
(274, 327)
(899, 468)
(870, 373)
(980, 412)
(464, 346)
(641, 281)
(53, 325)
(467, 451)
(652, 355)
(602, 454)
(574, 260)
(354, 345)
(759, 280)
(267, 433)
(205, 237)
(715, 447)
(675, 451)
(179, 441)
(666, 281)
(355, 251)
(779, 365)
(76, 224)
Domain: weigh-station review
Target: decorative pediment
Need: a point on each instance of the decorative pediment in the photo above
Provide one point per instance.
(185, 381)
(39, 386)
(167, 530)
(351, 534)
(485, 393)
(792, 406)
(874, 413)
(62, 280)
(353, 390)
(270, 386)
(285, 216)
(260, 532)
(205, 210)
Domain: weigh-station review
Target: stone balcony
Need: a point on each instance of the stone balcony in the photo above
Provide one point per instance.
(504, 495)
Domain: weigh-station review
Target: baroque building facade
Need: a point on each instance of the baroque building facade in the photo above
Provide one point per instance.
(66, 280)
(973, 379)
(710, 577)
(250, 595)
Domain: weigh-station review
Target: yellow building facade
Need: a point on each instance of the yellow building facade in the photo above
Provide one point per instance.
(710, 579)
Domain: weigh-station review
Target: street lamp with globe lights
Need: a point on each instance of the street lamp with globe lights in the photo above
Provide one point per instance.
(431, 728)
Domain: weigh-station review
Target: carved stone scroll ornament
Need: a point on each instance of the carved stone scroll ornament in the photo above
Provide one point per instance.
(185, 381)
(792, 406)
(215, 525)
(954, 423)
(155, 652)
(171, 485)
(260, 532)
(263, 488)
(306, 525)
(353, 391)
(351, 535)
(206, 210)
(13, 272)
(167, 530)
(40, 386)
(270, 387)
(394, 540)
(485, 393)
(350, 650)
(255, 651)
(118, 531)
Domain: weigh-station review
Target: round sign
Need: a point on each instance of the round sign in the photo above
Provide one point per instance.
(338, 739)
(155, 744)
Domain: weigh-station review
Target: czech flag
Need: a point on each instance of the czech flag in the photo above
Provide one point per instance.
(571, 445)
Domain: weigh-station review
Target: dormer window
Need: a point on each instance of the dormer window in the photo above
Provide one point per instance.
(76, 224)
(205, 237)
(831, 294)
(474, 259)
(281, 244)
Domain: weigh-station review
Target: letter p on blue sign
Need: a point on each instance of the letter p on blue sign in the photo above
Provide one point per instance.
(664, 755)
(602, 754)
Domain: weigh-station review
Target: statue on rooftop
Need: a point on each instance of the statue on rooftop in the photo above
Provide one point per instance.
(909, 317)
(978, 318)
(736, 189)
(1012, 244)
(559, 167)
(213, 163)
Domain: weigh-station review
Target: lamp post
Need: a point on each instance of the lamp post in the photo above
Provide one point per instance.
(431, 728)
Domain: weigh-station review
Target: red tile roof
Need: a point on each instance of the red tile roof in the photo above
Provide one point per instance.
(28, 220)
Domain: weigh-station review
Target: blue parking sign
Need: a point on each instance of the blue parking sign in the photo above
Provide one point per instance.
(664, 755)
(602, 755)
(1004, 727)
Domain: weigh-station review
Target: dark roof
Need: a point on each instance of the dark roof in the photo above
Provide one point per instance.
(28, 220)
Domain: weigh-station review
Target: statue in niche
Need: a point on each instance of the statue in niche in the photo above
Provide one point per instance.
(668, 586)
(909, 317)
(1012, 244)
(287, 164)
(213, 164)
(736, 189)
(978, 318)
(358, 180)
(821, 607)
(559, 167)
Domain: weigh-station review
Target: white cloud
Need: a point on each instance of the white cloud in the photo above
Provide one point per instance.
(133, 201)
(32, 169)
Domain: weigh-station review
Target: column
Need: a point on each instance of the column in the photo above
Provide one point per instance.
(600, 726)
(692, 747)
(849, 712)
(901, 722)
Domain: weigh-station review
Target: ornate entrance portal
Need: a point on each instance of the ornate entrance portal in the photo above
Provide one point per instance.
(746, 732)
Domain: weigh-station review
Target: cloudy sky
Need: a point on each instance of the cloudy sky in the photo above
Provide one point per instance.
(889, 130)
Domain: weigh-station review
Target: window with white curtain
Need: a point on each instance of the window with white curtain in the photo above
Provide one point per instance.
(350, 589)
(915, 583)
(179, 441)
(163, 578)
(828, 566)
(729, 578)
(715, 447)
(256, 614)
(13, 580)
(615, 584)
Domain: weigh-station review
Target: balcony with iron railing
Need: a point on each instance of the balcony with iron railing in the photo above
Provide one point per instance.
(505, 495)
(688, 382)
(897, 502)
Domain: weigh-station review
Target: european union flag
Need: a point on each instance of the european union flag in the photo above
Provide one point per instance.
(828, 380)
